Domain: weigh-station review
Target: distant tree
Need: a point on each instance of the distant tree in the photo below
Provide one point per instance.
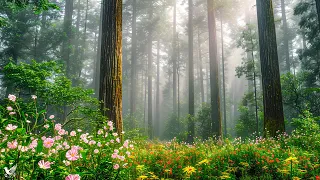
(133, 64)
(318, 10)
(111, 62)
(272, 97)
(285, 35)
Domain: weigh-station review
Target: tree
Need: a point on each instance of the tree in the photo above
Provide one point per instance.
(111, 62)
(174, 57)
(285, 35)
(318, 10)
(214, 72)
(191, 78)
(272, 97)
(133, 64)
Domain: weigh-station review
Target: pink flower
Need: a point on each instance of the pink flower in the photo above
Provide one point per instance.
(110, 123)
(57, 138)
(12, 98)
(67, 163)
(118, 140)
(126, 144)
(46, 126)
(12, 113)
(115, 134)
(114, 155)
(12, 145)
(48, 142)
(62, 132)
(33, 144)
(57, 127)
(96, 151)
(44, 165)
(73, 177)
(43, 138)
(11, 127)
(73, 133)
(116, 166)
(9, 108)
(72, 155)
(51, 116)
(99, 144)
(34, 97)
(100, 131)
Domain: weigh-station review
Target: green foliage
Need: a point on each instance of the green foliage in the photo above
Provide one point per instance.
(204, 120)
(176, 128)
(54, 91)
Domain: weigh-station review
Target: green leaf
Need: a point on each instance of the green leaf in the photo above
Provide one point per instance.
(40, 146)
(84, 154)
(21, 131)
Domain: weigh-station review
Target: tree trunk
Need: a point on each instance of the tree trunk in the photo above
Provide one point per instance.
(200, 68)
(97, 70)
(272, 97)
(178, 76)
(223, 82)
(133, 65)
(285, 35)
(150, 126)
(157, 125)
(84, 42)
(111, 62)
(191, 72)
(66, 49)
(318, 10)
(174, 58)
(214, 73)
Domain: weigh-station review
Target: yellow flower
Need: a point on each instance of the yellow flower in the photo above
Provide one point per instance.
(131, 157)
(291, 159)
(140, 167)
(189, 170)
(142, 177)
(283, 171)
(205, 161)
(224, 177)
(302, 170)
(296, 178)
(245, 164)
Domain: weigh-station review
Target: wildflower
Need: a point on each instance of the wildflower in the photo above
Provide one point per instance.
(34, 97)
(51, 116)
(57, 127)
(116, 166)
(205, 161)
(73, 133)
(99, 144)
(62, 132)
(48, 142)
(245, 164)
(115, 134)
(72, 155)
(114, 155)
(96, 151)
(73, 177)
(46, 126)
(140, 167)
(27, 121)
(291, 159)
(44, 165)
(110, 123)
(67, 163)
(296, 178)
(12, 97)
(12, 145)
(143, 177)
(79, 130)
(11, 127)
(9, 108)
(189, 170)
(12, 113)
(118, 140)
(126, 144)
(100, 131)
(283, 171)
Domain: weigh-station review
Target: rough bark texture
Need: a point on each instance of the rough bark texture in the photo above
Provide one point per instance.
(191, 78)
(174, 58)
(216, 128)
(318, 10)
(111, 62)
(133, 64)
(285, 35)
(272, 97)
(66, 49)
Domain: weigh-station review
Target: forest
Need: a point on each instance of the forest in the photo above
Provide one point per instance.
(159, 89)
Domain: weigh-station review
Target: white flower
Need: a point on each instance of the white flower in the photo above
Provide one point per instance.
(28, 121)
(34, 97)
(12, 97)
(46, 126)
(11, 127)
(51, 116)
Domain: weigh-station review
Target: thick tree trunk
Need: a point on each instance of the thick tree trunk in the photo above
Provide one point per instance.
(214, 73)
(223, 82)
(157, 125)
(111, 62)
(200, 68)
(133, 65)
(272, 97)
(191, 72)
(66, 49)
(285, 35)
(174, 58)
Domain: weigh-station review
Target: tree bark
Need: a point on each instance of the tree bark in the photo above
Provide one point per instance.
(223, 81)
(111, 62)
(191, 72)
(157, 125)
(174, 58)
(318, 11)
(272, 97)
(133, 65)
(285, 35)
(66, 49)
(216, 129)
